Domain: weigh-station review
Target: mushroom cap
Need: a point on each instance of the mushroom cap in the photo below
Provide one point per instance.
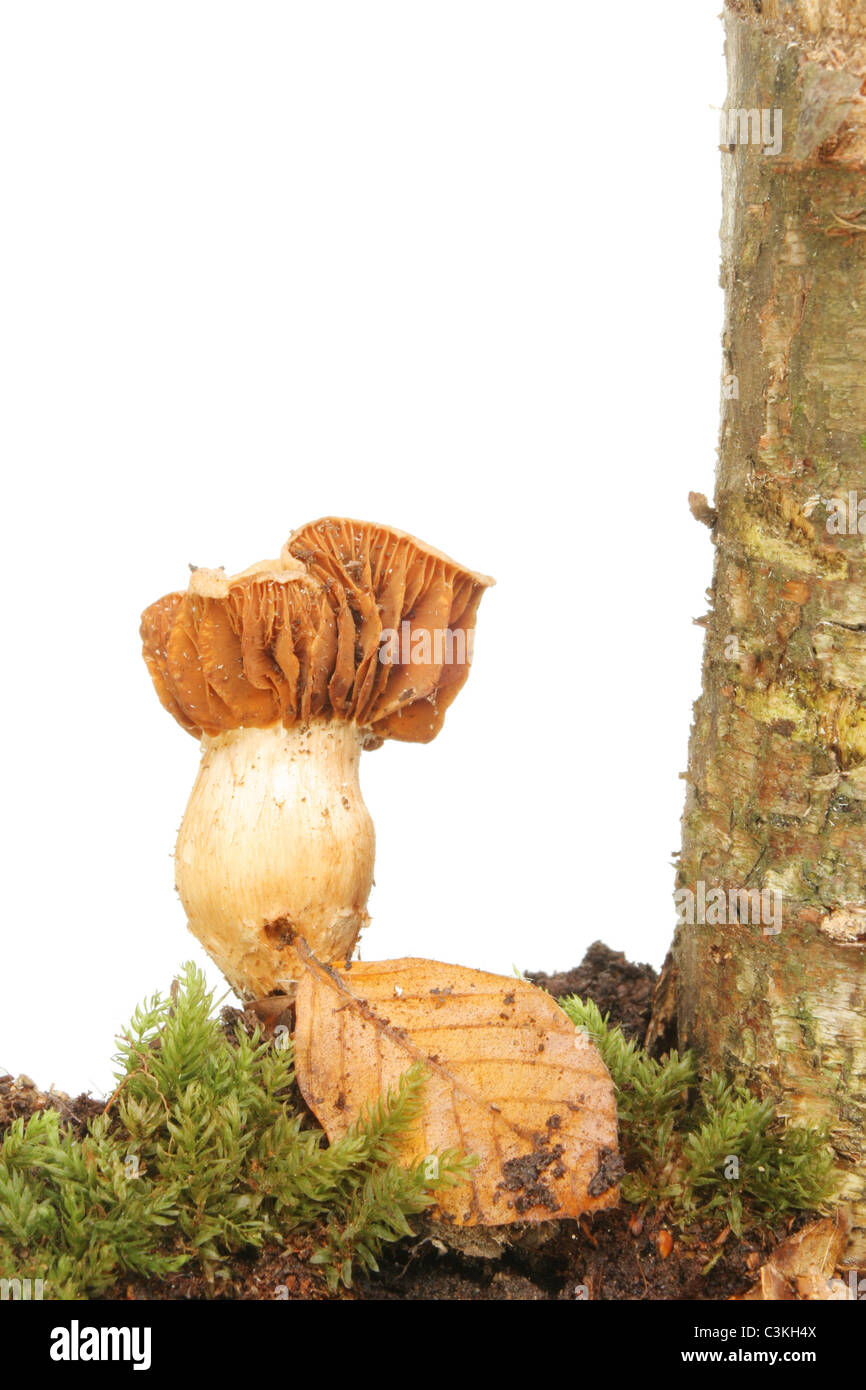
(354, 621)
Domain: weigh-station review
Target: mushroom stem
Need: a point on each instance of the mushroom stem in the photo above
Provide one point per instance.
(276, 840)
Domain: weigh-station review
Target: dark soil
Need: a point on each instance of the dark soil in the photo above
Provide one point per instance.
(617, 1255)
(21, 1097)
(613, 1255)
(619, 988)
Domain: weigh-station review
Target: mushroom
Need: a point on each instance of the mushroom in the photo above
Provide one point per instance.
(356, 634)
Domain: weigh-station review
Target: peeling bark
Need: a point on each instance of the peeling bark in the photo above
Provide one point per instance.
(776, 796)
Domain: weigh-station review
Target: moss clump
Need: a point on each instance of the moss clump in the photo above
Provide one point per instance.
(201, 1154)
(700, 1148)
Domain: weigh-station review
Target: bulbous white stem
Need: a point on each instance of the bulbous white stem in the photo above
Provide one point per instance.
(276, 840)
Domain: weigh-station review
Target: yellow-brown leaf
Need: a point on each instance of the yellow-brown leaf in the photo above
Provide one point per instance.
(802, 1267)
(510, 1080)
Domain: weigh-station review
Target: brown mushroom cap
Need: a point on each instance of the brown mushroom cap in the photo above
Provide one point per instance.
(301, 637)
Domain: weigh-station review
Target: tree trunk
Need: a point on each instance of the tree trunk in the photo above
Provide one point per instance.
(776, 799)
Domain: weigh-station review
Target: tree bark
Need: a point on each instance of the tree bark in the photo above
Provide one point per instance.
(776, 797)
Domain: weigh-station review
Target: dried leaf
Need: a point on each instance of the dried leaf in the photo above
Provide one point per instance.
(774, 1287)
(815, 1249)
(510, 1080)
(802, 1267)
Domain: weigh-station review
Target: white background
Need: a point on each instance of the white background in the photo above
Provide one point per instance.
(451, 266)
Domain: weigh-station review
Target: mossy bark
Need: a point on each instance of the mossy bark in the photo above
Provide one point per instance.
(776, 794)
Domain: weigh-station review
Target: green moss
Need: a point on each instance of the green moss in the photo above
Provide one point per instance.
(203, 1153)
(704, 1147)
